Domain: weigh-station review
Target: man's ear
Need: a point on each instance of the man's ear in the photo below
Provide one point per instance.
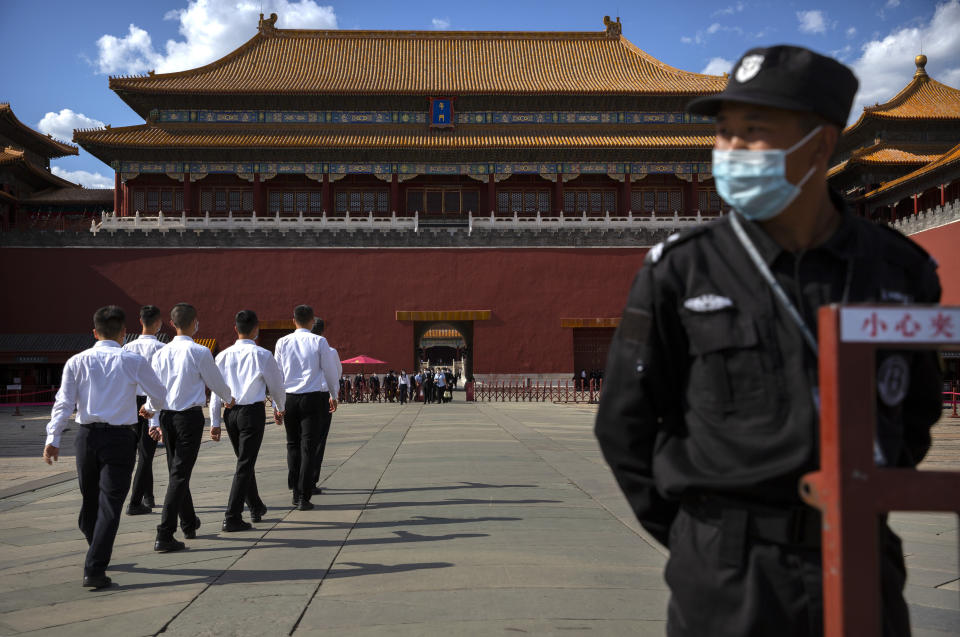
(827, 144)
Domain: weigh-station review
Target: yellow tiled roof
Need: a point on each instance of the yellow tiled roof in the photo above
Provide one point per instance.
(397, 136)
(16, 158)
(922, 98)
(442, 333)
(952, 156)
(887, 153)
(439, 63)
(20, 132)
(10, 154)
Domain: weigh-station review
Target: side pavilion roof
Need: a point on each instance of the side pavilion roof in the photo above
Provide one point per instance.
(21, 134)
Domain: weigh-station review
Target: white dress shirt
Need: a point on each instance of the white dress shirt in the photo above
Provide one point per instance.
(146, 345)
(185, 368)
(308, 363)
(249, 371)
(101, 383)
(403, 379)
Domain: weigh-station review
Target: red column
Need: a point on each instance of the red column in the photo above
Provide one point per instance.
(395, 193)
(693, 202)
(127, 204)
(624, 202)
(187, 192)
(326, 195)
(258, 207)
(118, 192)
(492, 193)
(558, 195)
(916, 201)
(943, 198)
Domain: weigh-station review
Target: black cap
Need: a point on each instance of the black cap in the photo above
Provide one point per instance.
(788, 77)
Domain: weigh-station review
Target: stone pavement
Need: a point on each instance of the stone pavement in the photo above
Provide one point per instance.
(456, 519)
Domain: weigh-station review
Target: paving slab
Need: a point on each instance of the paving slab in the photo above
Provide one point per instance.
(466, 519)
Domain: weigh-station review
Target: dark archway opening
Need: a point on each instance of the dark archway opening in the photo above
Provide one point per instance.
(436, 342)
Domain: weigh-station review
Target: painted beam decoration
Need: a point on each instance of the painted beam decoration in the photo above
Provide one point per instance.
(441, 112)
(906, 324)
(176, 116)
(366, 168)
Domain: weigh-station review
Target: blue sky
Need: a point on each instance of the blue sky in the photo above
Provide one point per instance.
(64, 51)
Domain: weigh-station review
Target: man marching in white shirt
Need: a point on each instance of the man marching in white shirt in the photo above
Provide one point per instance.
(318, 327)
(141, 494)
(311, 380)
(185, 368)
(250, 371)
(101, 383)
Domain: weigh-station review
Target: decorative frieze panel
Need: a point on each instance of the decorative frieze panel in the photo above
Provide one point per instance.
(408, 171)
(211, 116)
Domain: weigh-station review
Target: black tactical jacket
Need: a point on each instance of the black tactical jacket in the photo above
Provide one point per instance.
(709, 384)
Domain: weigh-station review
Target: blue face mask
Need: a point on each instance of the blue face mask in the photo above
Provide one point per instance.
(754, 182)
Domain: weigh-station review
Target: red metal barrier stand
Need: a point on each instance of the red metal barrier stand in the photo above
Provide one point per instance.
(849, 489)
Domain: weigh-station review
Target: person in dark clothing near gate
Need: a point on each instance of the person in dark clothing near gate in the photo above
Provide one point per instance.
(709, 415)
(101, 384)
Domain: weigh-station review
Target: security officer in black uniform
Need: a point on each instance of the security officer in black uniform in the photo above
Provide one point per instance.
(709, 414)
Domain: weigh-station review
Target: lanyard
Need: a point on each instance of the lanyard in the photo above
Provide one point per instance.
(772, 282)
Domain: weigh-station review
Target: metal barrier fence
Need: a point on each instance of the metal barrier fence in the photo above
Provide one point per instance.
(566, 392)
(850, 489)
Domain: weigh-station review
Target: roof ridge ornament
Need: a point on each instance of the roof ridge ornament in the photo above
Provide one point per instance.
(921, 62)
(268, 26)
(614, 29)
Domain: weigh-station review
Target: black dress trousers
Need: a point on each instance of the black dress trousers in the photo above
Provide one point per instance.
(327, 418)
(146, 449)
(303, 422)
(182, 434)
(245, 425)
(105, 459)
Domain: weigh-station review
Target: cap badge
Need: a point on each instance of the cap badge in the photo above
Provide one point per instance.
(708, 303)
(749, 67)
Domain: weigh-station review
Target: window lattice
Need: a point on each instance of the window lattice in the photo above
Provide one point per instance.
(302, 202)
(246, 202)
(234, 200)
(609, 201)
(206, 201)
(503, 201)
(153, 200)
(178, 200)
(274, 201)
(676, 200)
(543, 201)
(138, 201)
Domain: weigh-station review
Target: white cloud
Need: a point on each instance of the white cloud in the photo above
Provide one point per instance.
(713, 28)
(717, 66)
(893, 3)
(62, 124)
(210, 29)
(886, 65)
(734, 8)
(812, 22)
(441, 23)
(686, 40)
(83, 177)
(851, 32)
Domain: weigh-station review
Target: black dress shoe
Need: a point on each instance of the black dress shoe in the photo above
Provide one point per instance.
(96, 581)
(166, 546)
(257, 514)
(230, 526)
(317, 491)
(305, 505)
(138, 509)
(149, 501)
(191, 531)
(296, 498)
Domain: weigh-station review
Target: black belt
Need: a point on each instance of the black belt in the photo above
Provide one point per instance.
(106, 425)
(183, 411)
(792, 525)
(259, 402)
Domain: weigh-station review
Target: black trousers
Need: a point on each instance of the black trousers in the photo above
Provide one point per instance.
(321, 443)
(105, 459)
(182, 434)
(303, 422)
(402, 393)
(146, 449)
(725, 584)
(245, 425)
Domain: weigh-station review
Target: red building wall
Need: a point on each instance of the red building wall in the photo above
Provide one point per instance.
(357, 291)
(943, 244)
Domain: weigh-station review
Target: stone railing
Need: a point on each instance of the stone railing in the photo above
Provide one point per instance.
(930, 218)
(585, 222)
(110, 222)
(251, 223)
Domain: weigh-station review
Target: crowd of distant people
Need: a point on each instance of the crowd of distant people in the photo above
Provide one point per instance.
(429, 385)
(583, 379)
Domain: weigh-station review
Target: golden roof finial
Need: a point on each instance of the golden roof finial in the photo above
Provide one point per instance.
(614, 29)
(921, 62)
(268, 25)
